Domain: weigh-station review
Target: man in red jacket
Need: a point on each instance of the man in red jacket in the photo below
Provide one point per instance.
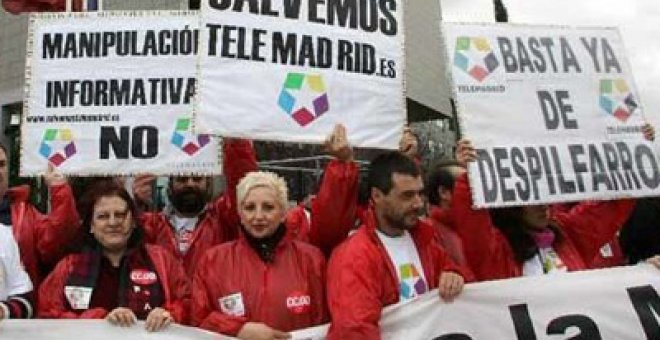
(191, 225)
(42, 239)
(393, 257)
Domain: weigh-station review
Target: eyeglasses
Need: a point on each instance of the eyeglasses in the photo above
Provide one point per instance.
(105, 216)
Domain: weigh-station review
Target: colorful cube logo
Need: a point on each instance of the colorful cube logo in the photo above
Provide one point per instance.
(186, 140)
(57, 146)
(616, 99)
(304, 97)
(474, 56)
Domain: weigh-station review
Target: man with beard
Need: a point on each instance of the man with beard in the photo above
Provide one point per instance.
(191, 224)
(393, 257)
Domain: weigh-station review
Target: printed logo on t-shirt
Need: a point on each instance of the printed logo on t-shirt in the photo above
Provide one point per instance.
(298, 302)
(232, 304)
(552, 262)
(185, 239)
(143, 277)
(411, 283)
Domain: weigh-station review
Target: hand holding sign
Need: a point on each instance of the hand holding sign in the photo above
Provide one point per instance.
(259, 331)
(157, 319)
(54, 177)
(465, 152)
(649, 132)
(121, 316)
(409, 145)
(450, 285)
(143, 188)
(337, 144)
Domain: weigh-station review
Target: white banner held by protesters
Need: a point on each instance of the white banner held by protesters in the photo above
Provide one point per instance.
(291, 70)
(97, 330)
(620, 303)
(553, 113)
(111, 93)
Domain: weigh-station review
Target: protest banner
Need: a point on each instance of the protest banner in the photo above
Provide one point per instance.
(111, 93)
(620, 303)
(97, 330)
(553, 113)
(291, 70)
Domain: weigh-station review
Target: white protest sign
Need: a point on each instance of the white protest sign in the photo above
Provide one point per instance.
(97, 330)
(620, 303)
(291, 70)
(111, 93)
(553, 113)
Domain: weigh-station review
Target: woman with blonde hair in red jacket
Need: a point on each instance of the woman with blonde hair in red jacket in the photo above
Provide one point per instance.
(264, 284)
(115, 275)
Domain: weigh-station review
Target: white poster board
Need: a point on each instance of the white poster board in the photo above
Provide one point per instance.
(111, 93)
(620, 303)
(291, 70)
(553, 113)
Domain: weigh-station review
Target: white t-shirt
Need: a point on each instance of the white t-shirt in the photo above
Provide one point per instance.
(13, 278)
(546, 261)
(184, 228)
(405, 258)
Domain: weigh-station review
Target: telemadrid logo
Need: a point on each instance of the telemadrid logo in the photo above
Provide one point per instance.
(184, 139)
(296, 87)
(475, 56)
(616, 99)
(57, 146)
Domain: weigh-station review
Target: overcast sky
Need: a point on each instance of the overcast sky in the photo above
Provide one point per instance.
(637, 21)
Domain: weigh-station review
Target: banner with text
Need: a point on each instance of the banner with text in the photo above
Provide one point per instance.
(111, 93)
(620, 303)
(553, 113)
(291, 70)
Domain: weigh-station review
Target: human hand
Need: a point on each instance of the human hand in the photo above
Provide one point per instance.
(337, 144)
(53, 177)
(121, 316)
(143, 188)
(465, 152)
(649, 132)
(451, 284)
(408, 145)
(259, 331)
(655, 260)
(158, 319)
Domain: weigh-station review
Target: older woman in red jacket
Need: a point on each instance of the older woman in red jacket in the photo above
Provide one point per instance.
(115, 276)
(263, 284)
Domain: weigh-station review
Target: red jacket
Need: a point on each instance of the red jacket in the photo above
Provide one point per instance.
(333, 209)
(609, 255)
(173, 280)
(42, 239)
(362, 279)
(585, 228)
(443, 222)
(234, 286)
(218, 223)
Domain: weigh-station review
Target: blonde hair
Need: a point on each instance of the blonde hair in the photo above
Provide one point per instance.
(265, 179)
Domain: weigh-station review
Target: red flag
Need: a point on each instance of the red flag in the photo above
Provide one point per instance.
(20, 6)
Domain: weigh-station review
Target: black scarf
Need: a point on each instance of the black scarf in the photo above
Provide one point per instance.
(86, 272)
(265, 247)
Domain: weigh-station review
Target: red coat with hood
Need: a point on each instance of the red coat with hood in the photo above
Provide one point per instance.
(43, 239)
(173, 281)
(234, 286)
(218, 223)
(333, 210)
(584, 229)
(362, 279)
